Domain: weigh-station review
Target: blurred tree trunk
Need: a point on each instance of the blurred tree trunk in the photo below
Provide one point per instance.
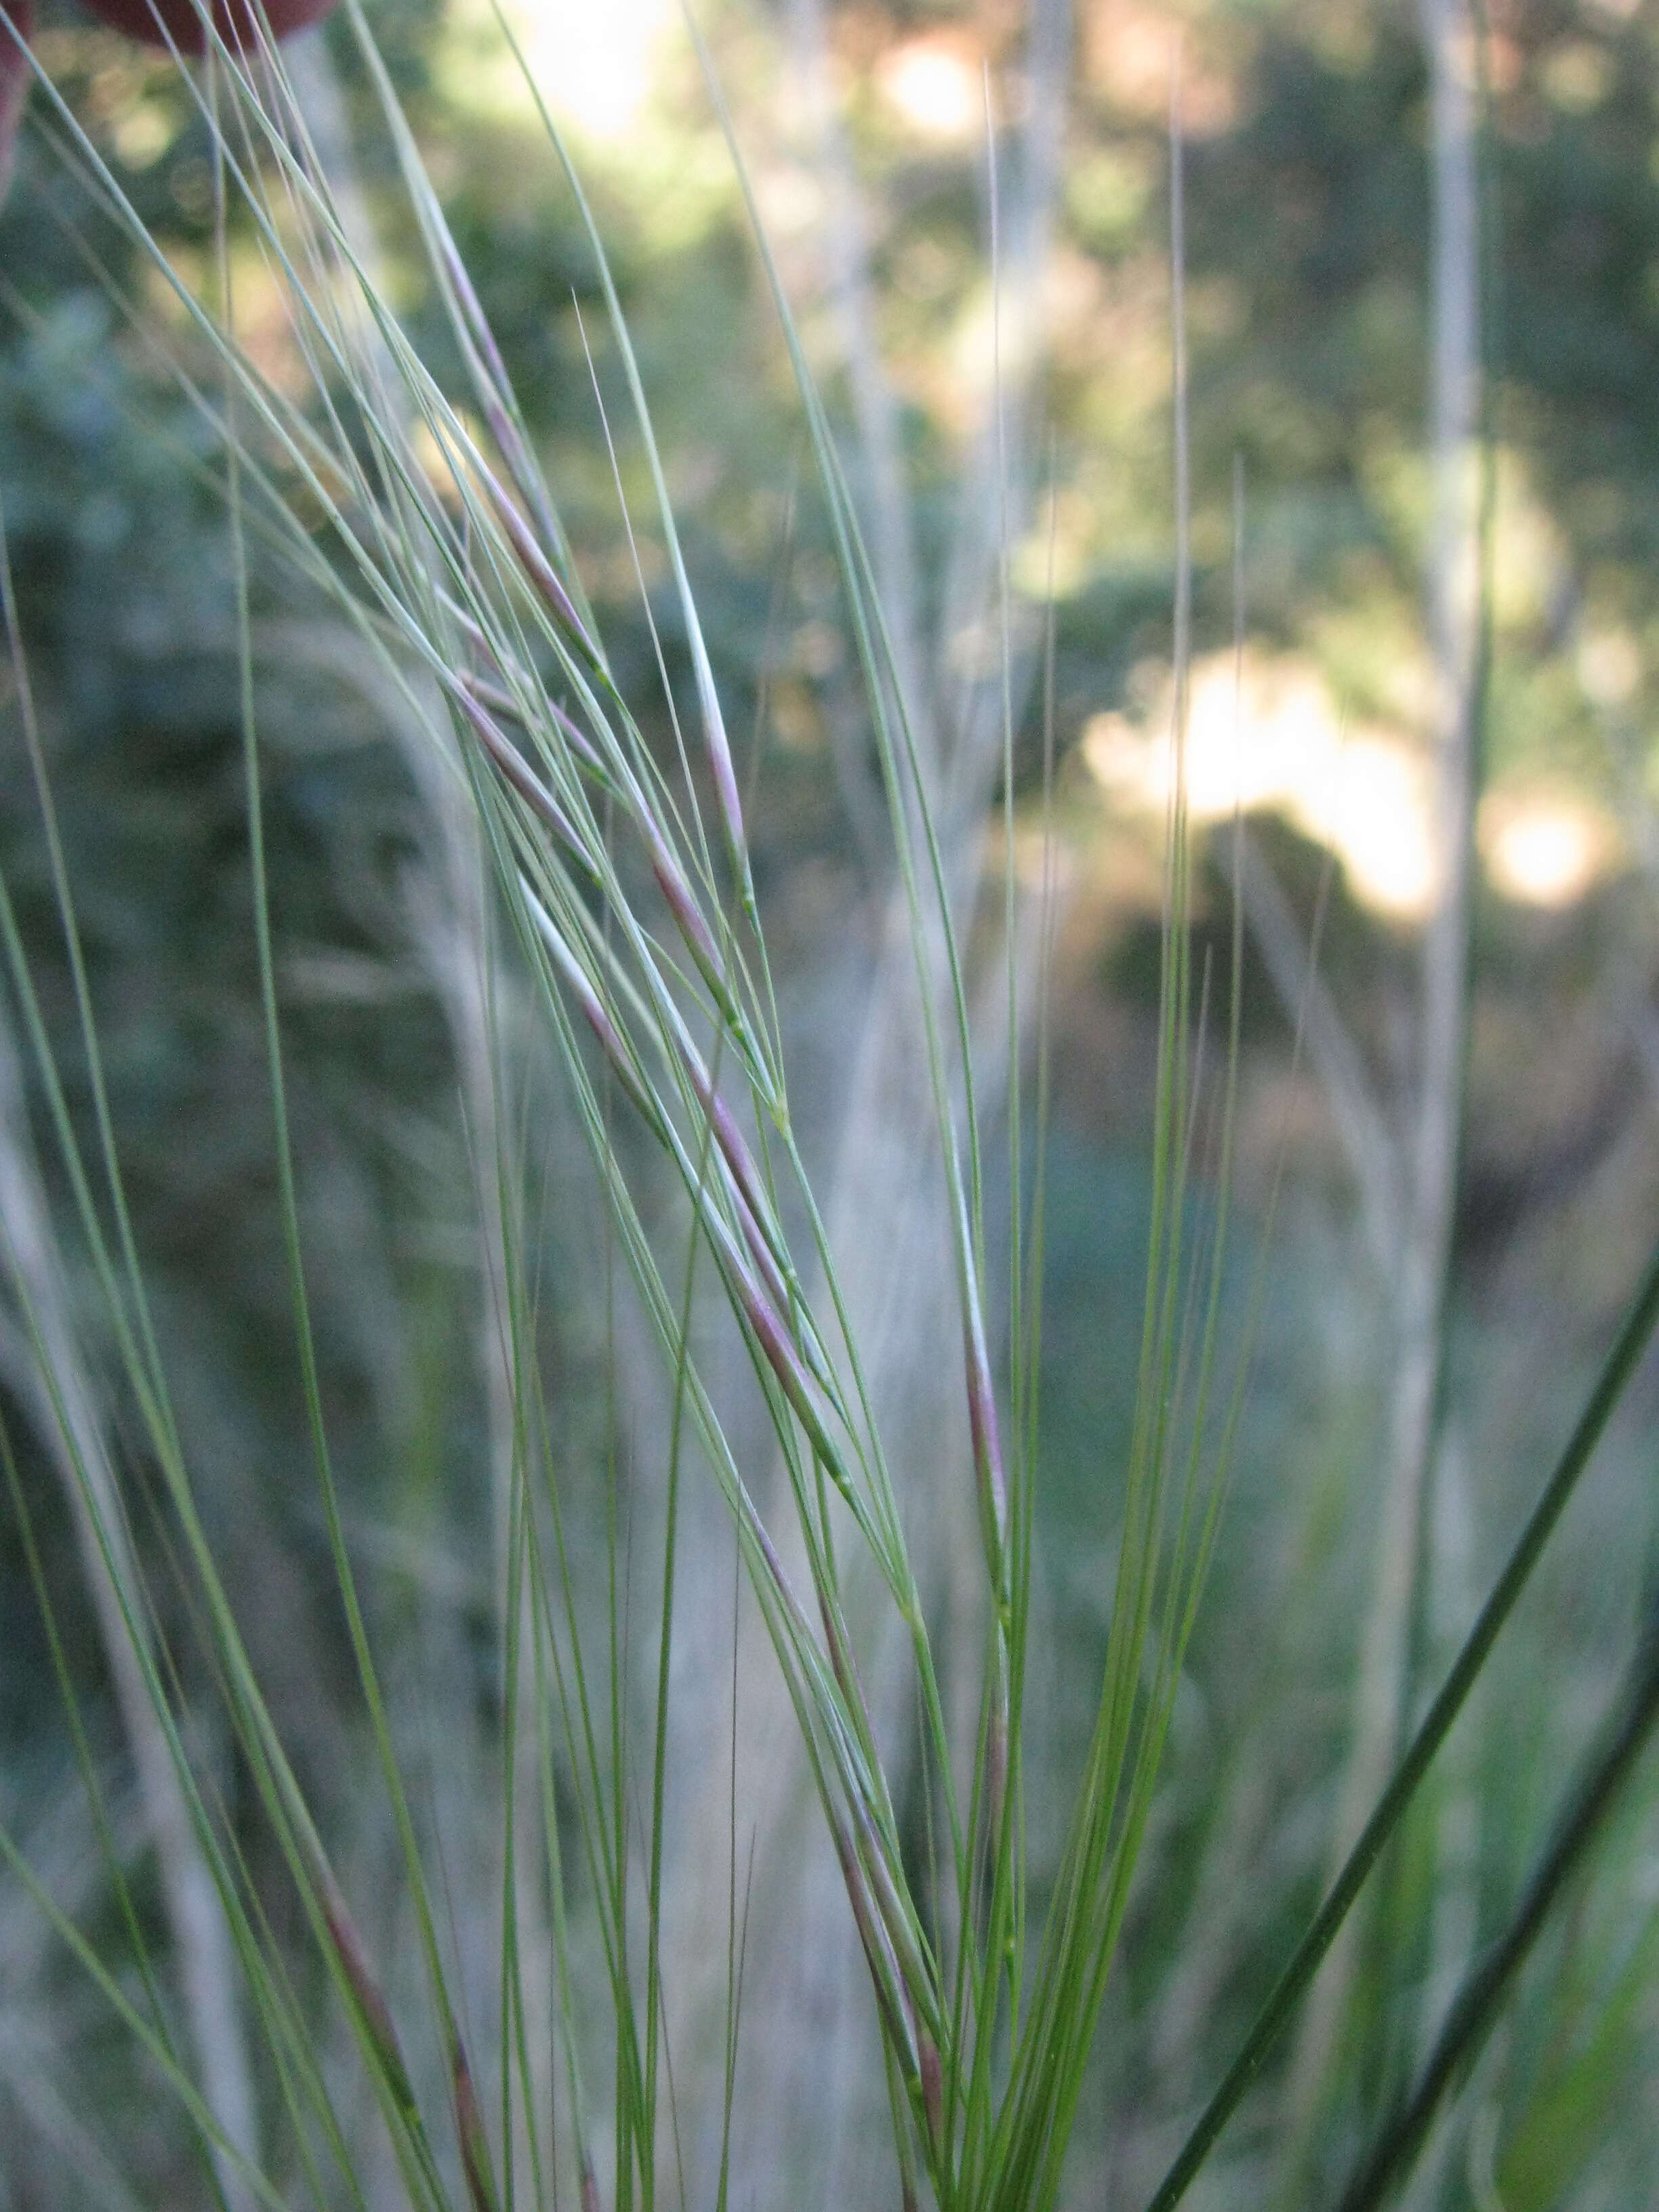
(1422, 1266)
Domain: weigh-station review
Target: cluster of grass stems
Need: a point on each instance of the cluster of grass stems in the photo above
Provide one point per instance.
(625, 886)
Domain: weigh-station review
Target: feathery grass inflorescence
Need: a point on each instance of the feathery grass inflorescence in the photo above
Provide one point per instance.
(465, 592)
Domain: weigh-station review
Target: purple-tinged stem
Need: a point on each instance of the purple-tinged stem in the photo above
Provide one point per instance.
(842, 1661)
(774, 1340)
(470, 2129)
(725, 781)
(522, 777)
(751, 1206)
(996, 1742)
(878, 1952)
(472, 630)
(499, 385)
(504, 431)
(670, 876)
(888, 1900)
(578, 739)
(476, 322)
(760, 1251)
(472, 307)
(536, 564)
(932, 2088)
(688, 915)
(500, 701)
(365, 1993)
(982, 1418)
(593, 1009)
(496, 696)
(776, 1570)
(763, 1310)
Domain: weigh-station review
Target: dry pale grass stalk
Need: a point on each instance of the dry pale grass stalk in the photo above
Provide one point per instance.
(1430, 1161)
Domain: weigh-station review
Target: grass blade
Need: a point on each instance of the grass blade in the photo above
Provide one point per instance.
(1621, 1363)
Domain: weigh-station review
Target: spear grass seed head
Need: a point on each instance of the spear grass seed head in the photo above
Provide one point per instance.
(441, 594)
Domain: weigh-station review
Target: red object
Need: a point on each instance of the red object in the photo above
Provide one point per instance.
(237, 22)
(16, 17)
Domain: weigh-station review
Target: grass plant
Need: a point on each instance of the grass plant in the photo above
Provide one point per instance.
(604, 901)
